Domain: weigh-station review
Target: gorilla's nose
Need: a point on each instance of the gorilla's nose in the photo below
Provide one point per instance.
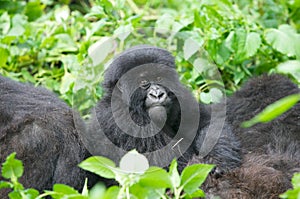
(157, 94)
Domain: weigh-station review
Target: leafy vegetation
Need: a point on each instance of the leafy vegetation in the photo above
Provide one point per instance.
(295, 192)
(218, 44)
(135, 181)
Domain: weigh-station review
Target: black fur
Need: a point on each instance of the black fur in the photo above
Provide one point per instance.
(271, 151)
(226, 152)
(39, 127)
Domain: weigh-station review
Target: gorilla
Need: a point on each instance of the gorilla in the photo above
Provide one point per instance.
(145, 107)
(271, 151)
(39, 127)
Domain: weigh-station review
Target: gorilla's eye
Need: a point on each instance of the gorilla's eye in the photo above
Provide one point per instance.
(144, 84)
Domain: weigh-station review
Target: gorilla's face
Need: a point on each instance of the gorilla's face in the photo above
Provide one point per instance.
(150, 99)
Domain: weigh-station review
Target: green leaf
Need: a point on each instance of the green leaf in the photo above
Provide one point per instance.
(197, 194)
(97, 191)
(164, 23)
(296, 181)
(34, 9)
(12, 167)
(18, 23)
(174, 175)
(295, 192)
(284, 39)
(291, 67)
(193, 176)
(100, 50)
(65, 189)
(4, 184)
(112, 192)
(64, 43)
(134, 162)
(66, 82)
(61, 191)
(99, 165)
(190, 48)
(274, 110)
(4, 23)
(156, 177)
(4, 53)
(253, 42)
(123, 31)
(31, 193)
(145, 192)
(62, 13)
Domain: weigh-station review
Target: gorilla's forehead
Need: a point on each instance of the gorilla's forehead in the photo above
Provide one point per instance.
(153, 71)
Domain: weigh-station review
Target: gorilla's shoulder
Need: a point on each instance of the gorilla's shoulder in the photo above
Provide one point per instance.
(265, 86)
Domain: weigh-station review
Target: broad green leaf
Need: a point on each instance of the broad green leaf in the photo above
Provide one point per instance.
(164, 23)
(274, 110)
(240, 43)
(123, 31)
(99, 165)
(197, 194)
(4, 53)
(156, 177)
(190, 48)
(112, 192)
(134, 162)
(64, 43)
(193, 176)
(66, 82)
(100, 50)
(18, 23)
(295, 192)
(139, 191)
(205, 97)
(97, 191)
(12, 167)
(34, 9)
(284, 39)
(65, 189)
(62, 13)
(291, 67)
(31, 193)
(216, 95)
(4, 23)
(4, 184)
(253, 42)
(296, 181)
(174, 175)
(61, 191)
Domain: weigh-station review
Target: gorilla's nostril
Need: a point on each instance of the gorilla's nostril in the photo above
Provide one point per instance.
(161, 95)
(153, 95)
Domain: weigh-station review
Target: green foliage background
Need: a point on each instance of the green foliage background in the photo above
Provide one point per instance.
(50, 43)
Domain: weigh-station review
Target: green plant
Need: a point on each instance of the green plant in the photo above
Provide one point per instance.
(12, 169)
(50, 44)
(136, 180)
(295, 192)
(152, 182)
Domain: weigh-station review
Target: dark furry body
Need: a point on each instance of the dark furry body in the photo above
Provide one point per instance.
(39, 127)
(225, 154)
(271, 151)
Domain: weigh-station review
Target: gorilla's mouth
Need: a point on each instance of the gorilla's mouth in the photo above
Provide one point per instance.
(157, 113)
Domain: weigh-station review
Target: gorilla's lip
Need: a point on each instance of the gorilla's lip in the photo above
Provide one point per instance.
(156, 105)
